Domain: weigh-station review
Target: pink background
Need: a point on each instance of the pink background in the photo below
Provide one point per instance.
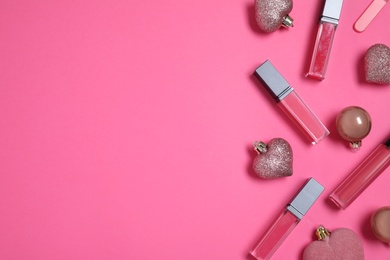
(126, 128)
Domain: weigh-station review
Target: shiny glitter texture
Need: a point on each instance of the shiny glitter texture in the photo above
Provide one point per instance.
(270, 13)
(276, 161)
(377, 64)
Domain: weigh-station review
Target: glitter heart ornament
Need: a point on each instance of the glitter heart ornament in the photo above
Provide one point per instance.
(272, 14)
(274, 160)
(340, 244)
(377, 64)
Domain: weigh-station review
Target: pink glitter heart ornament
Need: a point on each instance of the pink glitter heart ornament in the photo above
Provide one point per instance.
(377, 64)
(272, 14)
(274, 160)
(340, 244)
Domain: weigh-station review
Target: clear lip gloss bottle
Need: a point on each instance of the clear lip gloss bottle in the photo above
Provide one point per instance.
(291, 104)
(287, 220)
(325, 35)
(376, 162)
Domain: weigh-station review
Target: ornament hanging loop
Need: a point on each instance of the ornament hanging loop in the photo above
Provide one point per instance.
(322, 232)
(287, 21)
(260, 147)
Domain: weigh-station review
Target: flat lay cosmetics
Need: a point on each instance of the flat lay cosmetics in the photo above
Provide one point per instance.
(377, 64)
(340, 244)
(369, 14)
(324, 41)
(353, 125)
(380, 224)
(273, 14)
(273, 160)
(371, 167)
(287, 220)
(290, 103)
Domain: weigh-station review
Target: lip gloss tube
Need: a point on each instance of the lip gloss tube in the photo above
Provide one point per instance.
(290, 103)
(324, 41)
(371, 167)
(287, 220)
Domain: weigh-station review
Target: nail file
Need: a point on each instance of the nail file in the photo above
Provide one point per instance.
(369, 14)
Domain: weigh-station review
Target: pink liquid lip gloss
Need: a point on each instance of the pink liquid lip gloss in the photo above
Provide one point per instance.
(287, 220)
(324, 41)
(376, 162)
(290, 103)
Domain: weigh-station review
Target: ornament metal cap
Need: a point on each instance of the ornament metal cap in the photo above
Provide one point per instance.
(322, 232)
(355, 146)
(287, 21)
(260, 147)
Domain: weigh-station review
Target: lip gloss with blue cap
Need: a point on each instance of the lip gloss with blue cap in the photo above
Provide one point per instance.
(287, 220)
(291, 103)
(325, 35)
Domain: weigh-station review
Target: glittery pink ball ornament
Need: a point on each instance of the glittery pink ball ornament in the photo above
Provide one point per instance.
(377, 64)
(340, 244)
(272, 14)
(353, 125)
(274, 160)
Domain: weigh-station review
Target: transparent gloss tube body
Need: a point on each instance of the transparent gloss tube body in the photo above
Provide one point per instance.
(303, 117)
(322, 50)
(275, 235)
(371, 167)
(287, 220)
(291, 103)
(324, 40)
